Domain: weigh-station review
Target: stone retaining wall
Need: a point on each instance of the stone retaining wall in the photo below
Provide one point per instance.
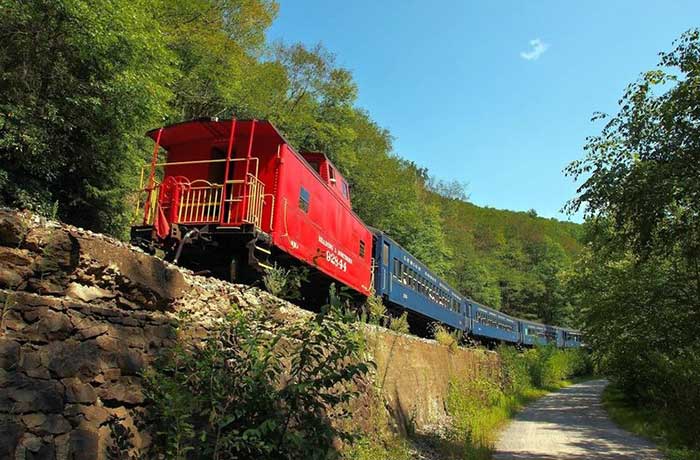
(83, 314)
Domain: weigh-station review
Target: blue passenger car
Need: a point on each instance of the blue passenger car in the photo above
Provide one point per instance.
(404, 281)
(559, 337)
(532, 333)
(571, 338)
(492, 324)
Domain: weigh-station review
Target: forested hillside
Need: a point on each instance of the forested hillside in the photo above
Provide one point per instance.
(81, 81)
(514, 261)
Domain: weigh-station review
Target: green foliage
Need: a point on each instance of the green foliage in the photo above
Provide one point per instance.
(445, 337)
(400, 324)
(515, 370)
(549, 365)
(543, 367)
(479, 407)
(639, 276)
(512, 261)
(256, 390)
(375, 310)
(285, 283)
(649, 422)
(217, 43)
(80, 81)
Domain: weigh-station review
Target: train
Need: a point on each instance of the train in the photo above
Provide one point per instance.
(233, 198)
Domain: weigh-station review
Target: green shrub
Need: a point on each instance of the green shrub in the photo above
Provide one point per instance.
(400, 324)
(548, 365)
(478, 408)
(515, 370)
(255, 390)
(443, 336)
(375, 310)
(285, 283)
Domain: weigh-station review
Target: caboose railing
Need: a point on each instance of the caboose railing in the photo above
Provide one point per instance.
(200, 203)
(245, 200)
(234, 202)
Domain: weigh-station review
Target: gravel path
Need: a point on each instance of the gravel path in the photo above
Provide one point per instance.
(570, 424)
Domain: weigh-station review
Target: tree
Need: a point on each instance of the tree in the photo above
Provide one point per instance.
(218, 44)
(453, 190)
(644, 169)
(79, 85)
(640, 274)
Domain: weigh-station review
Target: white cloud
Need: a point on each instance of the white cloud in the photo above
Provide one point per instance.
(538, 47)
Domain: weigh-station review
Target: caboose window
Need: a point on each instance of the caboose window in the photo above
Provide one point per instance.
(304, 200)
(362, 248)
(316, 165)
(346, 190)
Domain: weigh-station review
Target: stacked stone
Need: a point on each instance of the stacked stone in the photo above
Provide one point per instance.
(82, 314)
(75, 334)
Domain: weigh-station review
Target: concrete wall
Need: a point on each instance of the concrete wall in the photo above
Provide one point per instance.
(413, 375)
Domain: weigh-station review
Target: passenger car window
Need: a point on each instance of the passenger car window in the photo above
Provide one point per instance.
(304, 200)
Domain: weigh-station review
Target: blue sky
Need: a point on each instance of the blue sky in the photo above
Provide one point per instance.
(495, 93)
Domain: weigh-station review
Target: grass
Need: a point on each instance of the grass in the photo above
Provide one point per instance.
(393, 448)
(480, 407)
(648, 423)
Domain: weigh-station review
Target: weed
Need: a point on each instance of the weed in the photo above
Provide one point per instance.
(375, 310)
(7, 304)
(286, 283)
(400, 324)
(443, 336)
(252, 391)
(393, 448)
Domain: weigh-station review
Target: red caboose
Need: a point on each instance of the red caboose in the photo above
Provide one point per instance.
(233, 196)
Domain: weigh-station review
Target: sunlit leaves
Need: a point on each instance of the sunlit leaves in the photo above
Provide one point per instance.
(639, 278)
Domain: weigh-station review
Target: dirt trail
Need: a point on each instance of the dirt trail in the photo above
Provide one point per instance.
(570, 425)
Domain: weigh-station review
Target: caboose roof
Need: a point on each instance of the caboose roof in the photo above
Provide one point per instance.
(210, 129)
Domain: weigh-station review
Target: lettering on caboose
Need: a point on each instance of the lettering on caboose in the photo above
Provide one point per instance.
(335, 256)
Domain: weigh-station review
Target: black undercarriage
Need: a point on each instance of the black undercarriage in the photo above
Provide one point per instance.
(236, 254)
